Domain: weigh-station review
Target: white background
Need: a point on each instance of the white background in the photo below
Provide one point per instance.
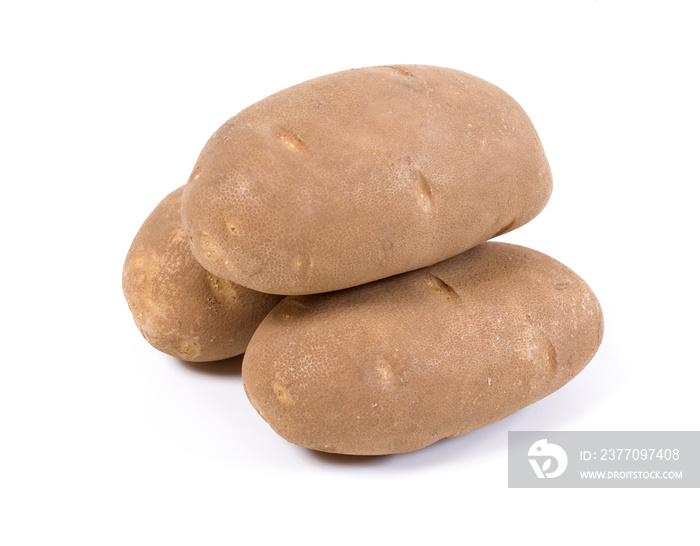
(105, 107)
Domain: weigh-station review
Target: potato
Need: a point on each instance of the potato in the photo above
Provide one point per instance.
(179, 307)
(360, 175)
(400, 363)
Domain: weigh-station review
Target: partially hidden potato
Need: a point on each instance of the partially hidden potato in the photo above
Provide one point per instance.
(179, 307)
(360, 175)
(398, 364)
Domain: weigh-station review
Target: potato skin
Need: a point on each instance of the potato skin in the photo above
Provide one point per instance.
(360, 175)
(398, 364)
(179, 307)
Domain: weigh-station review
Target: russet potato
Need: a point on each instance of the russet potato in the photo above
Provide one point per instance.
(360, 175)
(397, 364)
(179, 307)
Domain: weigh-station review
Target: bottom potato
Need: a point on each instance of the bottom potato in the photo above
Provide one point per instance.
(397, 364)
(179, 307)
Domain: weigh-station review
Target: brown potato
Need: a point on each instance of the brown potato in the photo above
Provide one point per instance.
(360, 175)
(400, 363)
(179, 307)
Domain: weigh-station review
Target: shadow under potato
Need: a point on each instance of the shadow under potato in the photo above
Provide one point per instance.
(227, 367)
(340, 459)
(464, 447)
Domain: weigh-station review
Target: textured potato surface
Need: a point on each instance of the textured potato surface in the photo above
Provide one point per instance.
(400, 363)
(360, 175)
(179, 307)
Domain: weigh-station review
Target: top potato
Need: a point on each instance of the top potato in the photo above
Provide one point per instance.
(360, 175)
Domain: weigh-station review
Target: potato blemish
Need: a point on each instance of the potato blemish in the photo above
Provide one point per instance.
(282, 393)
(411, 80)
(422, 191)
(400, 70)
(224, 291)
(291, 141)
(506, 229)
(551, 354)
(300, 263)
(384, 370)
(231, 227)
(390, 370)
(209, 247)
(444, 289)
(190, 348)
